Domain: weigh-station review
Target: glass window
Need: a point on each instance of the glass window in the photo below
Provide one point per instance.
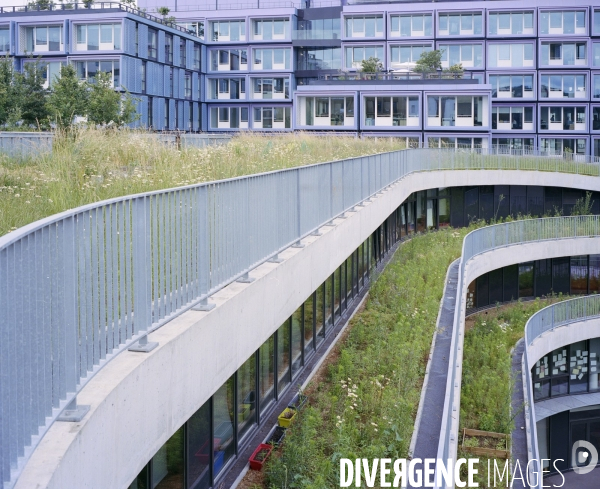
(167, 464)
(579, 363)
(367, 26)
(309, 324)
(266, 368)
(283, 356)
(433, 106)
(198, 448)
(246, 396)
(320, 308)
(579, 274)
(297, 319)
(541, 378)
(594, 366)
(4, 39)
(526, 280)
(223, 419)
(94, 37)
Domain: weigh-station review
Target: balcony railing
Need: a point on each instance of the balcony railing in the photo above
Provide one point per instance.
(315, 34)
(93, 6)
(553, 316)
(79, 287)
(395, 76)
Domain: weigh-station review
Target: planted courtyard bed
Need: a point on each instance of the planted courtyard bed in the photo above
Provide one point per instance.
(364, 400)
(488, 381)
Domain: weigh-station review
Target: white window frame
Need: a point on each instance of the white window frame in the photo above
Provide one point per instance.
(508, 62)
(559, 31)
(258, 29)
(509, 32)
(461, 31)
(356, 65)
(45, 48)
(355, 34)
(398, 48)
(82, 45)
(215, 30)
(413, 31)
(101, 60)
(507, 126)
(465, 62)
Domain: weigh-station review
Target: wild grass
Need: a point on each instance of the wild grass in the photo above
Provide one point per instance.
(367, 404)
(94, 165)
(488, 381)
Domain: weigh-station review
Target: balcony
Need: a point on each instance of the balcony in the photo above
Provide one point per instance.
(395, 77)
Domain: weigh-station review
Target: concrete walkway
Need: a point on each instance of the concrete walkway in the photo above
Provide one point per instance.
(432, 405)
(519, 434)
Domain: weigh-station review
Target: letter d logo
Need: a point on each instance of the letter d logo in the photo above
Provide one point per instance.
(582, 457)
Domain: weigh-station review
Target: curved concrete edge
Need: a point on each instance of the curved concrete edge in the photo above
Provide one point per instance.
(545, 409)
(484, 263)
(139, 400)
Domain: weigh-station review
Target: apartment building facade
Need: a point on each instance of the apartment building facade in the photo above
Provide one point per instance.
(534, 72)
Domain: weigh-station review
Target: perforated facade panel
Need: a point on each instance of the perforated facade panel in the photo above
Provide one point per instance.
(129, 37)
(176, 54)
(196, 114)
(172, 104)
(189, 46)
(161, 47)
(186, 116)
(143, 41)
(166, 81)
(195, 86)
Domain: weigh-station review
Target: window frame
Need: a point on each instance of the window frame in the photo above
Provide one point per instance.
(477, 28)
(428, 30)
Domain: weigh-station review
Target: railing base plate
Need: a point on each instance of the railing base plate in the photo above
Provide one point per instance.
(74, 415)
(204, 307)
(143, 348)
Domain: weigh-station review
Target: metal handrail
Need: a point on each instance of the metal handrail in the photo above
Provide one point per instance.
(395, 75)
(546, 319)
(79, 287)
(560, 314)
(484, 240)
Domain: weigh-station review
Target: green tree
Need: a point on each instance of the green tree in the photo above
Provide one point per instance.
(41, 4)
(456, 69)
(106, 106)
(69, 98)
(164, 11)
(429, 61)
(371, 65)
(9, 109)
(31, 94)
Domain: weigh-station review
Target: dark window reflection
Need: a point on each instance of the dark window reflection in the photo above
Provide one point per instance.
(246, 396)
(199, 448)
(167, 464)
(223, 423)
(526, 280)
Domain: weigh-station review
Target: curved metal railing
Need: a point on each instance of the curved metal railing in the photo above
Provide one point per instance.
(560, 314)
(546, 319)
(487, 239)
(81, 286)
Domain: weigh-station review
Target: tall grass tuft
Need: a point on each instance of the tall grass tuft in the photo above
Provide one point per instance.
(92, 165)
